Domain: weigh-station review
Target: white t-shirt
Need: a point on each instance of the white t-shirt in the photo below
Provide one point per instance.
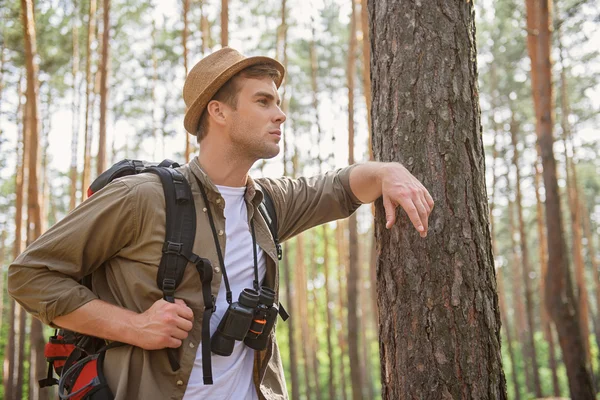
(232, 376)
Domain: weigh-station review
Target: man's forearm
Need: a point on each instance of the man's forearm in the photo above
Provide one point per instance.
(365, 180)
(101, 319)
(162, 325)
(398, 187)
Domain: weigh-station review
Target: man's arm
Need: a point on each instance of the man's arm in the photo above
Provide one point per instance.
(44, 278)
(398, 187)
(162, 325)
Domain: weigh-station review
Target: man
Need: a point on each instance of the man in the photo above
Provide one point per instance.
(117, 236)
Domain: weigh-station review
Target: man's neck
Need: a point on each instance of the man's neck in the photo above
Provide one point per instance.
(222, 167)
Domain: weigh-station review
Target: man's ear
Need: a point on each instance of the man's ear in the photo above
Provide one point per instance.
(217, 111)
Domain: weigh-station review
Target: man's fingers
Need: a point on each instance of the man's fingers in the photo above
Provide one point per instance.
(184, 324)
(429, 200)
(390, 212)
(411, 210)
(423, 215)
(179, 334)
(183, 310)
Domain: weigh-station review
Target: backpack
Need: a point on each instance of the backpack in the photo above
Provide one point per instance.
(76, 358)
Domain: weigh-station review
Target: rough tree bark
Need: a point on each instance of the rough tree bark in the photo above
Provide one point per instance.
(559, 290)
(439, 316)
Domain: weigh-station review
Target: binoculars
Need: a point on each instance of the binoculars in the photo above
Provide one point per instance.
(250, 319)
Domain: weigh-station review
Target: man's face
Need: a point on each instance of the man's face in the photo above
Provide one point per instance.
(255, 126)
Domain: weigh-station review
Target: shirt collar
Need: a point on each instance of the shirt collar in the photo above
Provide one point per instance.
(254, 193)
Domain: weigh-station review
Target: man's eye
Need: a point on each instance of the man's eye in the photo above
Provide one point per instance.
(263, 101)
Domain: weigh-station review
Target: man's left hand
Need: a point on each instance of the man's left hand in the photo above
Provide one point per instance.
(400, 188)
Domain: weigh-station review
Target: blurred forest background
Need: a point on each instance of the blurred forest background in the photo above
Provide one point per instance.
(85, 84)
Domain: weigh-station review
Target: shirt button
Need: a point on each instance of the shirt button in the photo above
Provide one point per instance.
(221, 232)
(179, 383)
(218, 201)
(191, 345)
(204, 209)
(217, 270)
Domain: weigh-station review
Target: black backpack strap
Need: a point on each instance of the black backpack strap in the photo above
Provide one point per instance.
(267, 209)
(206, 272)
(179, 236)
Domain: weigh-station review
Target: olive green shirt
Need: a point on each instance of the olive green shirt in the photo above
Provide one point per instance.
(117, 236)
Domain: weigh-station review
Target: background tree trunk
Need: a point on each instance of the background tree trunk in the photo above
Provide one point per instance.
(224, 23)
(531, 350)
(74, 106)
(38, 365)
(101, 159)
(342, 250)
(353, 267)
(574, 208)
(438, 293)
(545, 319)
(10, 365)
(184, 39)
(559, 290)
(89, 88)
(501, 268)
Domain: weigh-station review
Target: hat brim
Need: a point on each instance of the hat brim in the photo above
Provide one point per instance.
(194, 112)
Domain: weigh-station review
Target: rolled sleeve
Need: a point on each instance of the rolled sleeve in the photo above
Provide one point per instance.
(307, 202)
(44, 279)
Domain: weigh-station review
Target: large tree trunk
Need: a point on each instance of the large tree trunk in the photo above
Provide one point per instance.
(101, 159)
(38, 367)
(353, 268)
(437, 296)
(89, 88)
(74, 106)
(224, 23)
(525, 264)
(559, 291)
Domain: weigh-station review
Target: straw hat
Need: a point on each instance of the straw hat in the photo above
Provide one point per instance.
(210, 74)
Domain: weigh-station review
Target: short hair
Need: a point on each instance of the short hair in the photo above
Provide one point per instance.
(228, 93)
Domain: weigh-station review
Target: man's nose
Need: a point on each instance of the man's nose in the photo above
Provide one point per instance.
(280, 117)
